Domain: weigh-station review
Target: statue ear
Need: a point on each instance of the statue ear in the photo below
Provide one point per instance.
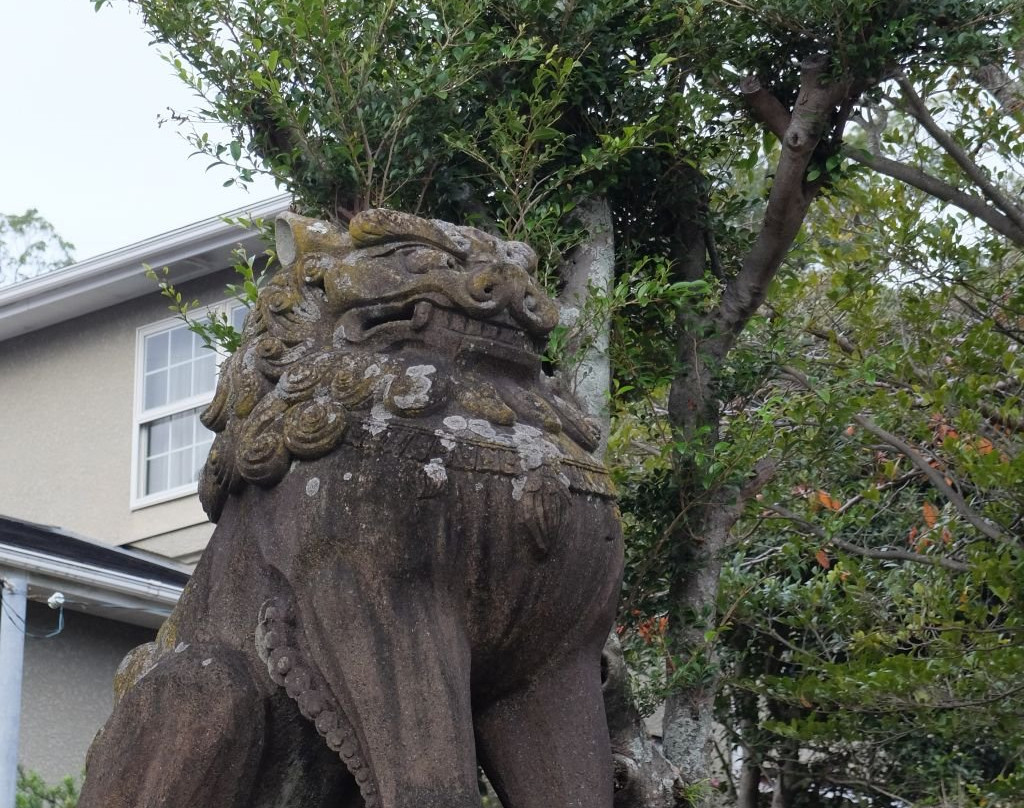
(296, 235)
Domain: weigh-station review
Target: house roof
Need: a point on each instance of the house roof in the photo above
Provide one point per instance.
(113, 277)
(113, 582)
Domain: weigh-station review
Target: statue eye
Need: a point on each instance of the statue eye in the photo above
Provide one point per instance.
(423, 259)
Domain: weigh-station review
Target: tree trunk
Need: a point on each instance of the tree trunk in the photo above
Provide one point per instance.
(589, 271)
(700, 533)
(748, 787)
(707, 511)
(643, 777)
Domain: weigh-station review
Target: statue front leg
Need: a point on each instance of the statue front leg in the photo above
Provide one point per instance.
(188, 733)
(383, 672)
(546, 745)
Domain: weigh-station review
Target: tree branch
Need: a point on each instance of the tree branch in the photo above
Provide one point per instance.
(727, 514)
(937, 478)
(765, 106)
(843, 343)
(866, 552)
(920, 112)
(974, 205)
(790, 196)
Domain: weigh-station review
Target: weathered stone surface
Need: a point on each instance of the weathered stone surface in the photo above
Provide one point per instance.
(416, 561)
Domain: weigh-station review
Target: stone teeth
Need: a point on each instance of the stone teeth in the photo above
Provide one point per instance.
(471, 327)
(421, 314)
(311, 703)
(326, 722)
(348, 748)
(335, 738)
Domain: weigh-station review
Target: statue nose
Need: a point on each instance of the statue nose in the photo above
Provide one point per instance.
(495, 286)
(508, 287)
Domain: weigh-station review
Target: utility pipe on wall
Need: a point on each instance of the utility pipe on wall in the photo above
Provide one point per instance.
(13, 591)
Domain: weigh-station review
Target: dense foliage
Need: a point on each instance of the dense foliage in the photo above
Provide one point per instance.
(870, 612)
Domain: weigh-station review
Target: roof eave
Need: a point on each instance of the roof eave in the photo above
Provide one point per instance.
(92, 589)
(190, 252)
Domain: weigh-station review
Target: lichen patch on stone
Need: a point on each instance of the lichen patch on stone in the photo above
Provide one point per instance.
(518, 485)
(478, 426)
(419, 395)
(435, 470)
(455, 422)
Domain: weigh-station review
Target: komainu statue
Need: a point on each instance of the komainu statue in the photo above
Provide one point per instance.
(416, 561)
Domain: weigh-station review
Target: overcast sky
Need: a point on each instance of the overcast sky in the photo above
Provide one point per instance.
(81, 93)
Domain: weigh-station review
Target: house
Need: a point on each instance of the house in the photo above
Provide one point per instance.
(105, 601)
(100, 387)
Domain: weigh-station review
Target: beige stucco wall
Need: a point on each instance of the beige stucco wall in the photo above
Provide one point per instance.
(67, 688)
(66, 394)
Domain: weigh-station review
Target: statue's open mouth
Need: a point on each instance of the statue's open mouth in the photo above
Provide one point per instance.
(403, 320)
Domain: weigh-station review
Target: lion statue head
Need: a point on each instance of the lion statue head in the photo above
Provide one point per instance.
(398, 320)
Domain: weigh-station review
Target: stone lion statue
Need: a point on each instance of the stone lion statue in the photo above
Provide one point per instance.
(416, 561)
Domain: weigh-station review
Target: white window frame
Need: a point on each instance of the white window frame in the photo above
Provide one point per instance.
(141, 417)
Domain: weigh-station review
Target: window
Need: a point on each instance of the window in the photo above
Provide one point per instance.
(176, 377)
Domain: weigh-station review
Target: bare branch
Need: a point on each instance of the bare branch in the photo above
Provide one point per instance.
(976, 174)
(974, 205)
(790, 196)
(1007, 91)
(843, 343)
(725, 516)
(867, 552)
(936, 477)
(870, 785)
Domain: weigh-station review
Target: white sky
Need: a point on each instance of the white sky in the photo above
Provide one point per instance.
(80, 93)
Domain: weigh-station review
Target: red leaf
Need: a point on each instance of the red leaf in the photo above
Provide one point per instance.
(828, 501)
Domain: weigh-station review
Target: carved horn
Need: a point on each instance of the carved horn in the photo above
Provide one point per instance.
(380, 226)
(299, 235)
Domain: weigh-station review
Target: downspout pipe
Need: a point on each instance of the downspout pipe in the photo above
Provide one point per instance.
(13, 596)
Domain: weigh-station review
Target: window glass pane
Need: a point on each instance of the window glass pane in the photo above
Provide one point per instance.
(154, 389)
(200, 452)
(182, 429)
(181, 468)
(181, 382)
(177, 368)
(175, 450)
(181, 345)
(156, 351)
(238, 317)
(188, 367)
(156, 474)
(159, 437)
(204, 373)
